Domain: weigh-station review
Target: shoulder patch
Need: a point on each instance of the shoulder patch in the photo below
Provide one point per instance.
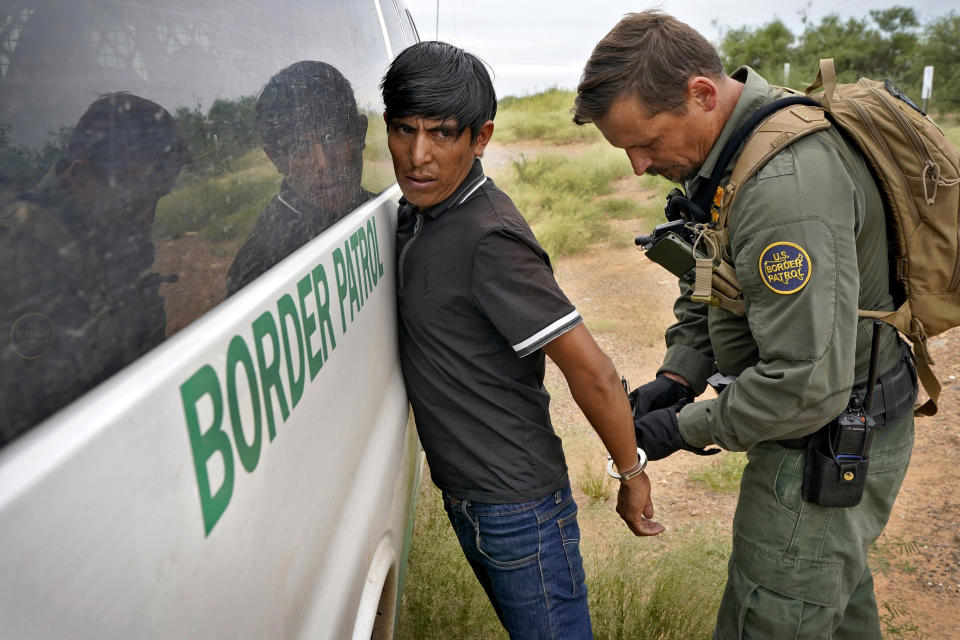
(785, 267)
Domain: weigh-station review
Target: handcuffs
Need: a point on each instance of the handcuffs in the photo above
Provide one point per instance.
(633, 472)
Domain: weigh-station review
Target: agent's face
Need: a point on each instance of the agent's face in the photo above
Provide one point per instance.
(668, 144)
(430, 158)
(325, 165)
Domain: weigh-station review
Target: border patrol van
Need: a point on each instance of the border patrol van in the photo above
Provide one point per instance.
(203, 426)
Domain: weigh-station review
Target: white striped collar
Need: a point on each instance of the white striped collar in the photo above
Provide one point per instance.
(469, 193)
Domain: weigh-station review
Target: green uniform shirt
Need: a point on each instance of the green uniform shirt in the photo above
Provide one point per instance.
(808, 238)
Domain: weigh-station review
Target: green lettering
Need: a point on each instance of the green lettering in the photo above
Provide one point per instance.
(237, 353)
(315, 360)
(340, 275)
(352, 282)
(371, 236)
(266, 327)
(323, 309)
(364, 261)
(376, 246)
(358, 262)
(287, 309)
(203, 444)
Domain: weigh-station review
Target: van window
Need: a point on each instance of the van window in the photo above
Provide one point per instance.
(156, 158)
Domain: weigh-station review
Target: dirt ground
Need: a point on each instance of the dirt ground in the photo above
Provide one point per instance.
(626, 301)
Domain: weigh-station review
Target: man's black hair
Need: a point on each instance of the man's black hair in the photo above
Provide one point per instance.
(302, 97)
(437, 80)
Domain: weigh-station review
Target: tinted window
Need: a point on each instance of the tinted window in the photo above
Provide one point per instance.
(156, 157)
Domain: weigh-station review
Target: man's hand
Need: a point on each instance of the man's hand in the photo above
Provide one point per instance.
(636, 508)
(661, 392)
(658, 434)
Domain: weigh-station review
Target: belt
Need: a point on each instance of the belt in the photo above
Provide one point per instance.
(893, 396)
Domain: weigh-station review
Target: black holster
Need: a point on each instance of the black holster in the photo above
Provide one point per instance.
(838, 454)
(833, 479)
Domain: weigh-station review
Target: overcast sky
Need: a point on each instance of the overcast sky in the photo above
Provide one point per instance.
(536, 44)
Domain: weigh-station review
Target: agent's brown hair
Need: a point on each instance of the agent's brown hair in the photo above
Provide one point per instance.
(651, 55)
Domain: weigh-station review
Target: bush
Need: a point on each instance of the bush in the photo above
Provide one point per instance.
(665, 588)
(565, 199)
(543, 116)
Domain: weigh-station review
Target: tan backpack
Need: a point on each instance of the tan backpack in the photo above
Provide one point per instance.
(918, 174)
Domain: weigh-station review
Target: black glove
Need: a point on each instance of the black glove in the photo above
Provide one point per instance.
(658, 434)
(659, 393)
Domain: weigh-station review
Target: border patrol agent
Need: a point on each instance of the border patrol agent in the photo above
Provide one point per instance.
(807, 239)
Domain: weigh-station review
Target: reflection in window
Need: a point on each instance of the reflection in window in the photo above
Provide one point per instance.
(10, 36)
(203, 65)
(181, 36)
(117, 49)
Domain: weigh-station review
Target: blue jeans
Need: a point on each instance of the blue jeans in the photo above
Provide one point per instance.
(526, 556)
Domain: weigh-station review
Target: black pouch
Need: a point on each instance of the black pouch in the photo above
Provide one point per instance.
(837, 457)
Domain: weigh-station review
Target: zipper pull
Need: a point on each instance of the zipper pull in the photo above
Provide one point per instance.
(418, 224)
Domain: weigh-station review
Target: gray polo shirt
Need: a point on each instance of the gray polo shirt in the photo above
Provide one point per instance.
(477, 301)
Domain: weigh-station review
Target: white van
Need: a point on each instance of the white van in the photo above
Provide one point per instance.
(175, 461)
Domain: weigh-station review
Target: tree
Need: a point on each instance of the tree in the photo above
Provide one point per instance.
(882, 45)
(940, 47)
(765, 48)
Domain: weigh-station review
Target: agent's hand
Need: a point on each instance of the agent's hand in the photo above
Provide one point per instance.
(636, 508)
(658, 434)
(659, 393)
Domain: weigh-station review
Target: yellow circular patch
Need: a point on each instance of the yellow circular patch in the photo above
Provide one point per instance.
(785, 267)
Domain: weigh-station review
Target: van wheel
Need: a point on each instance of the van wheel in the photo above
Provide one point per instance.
(386, 608)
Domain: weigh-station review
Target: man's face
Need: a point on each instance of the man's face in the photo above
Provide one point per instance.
(325, 164)
(669, 144)
(430, 158)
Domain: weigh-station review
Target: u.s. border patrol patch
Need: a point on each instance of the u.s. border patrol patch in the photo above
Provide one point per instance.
(785, 267)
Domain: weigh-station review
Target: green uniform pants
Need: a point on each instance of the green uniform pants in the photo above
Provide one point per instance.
(799, 570)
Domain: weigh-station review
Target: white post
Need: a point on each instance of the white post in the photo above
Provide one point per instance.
(927, 86)
(786, 74)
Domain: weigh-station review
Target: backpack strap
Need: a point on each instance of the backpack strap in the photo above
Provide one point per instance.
(766, 132)
(826, 78)
(704, 195)
(904, 321)
(784, 127)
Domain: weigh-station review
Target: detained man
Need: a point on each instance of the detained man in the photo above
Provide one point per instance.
(479, 309)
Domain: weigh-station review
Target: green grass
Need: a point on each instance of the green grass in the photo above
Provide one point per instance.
(722, 474)
(889, 553)
(897, 622)
(220, 207)
(440, 593)
(658, 589)
(543, 116)
(596, 485)
(566, 199)
(669, 588)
